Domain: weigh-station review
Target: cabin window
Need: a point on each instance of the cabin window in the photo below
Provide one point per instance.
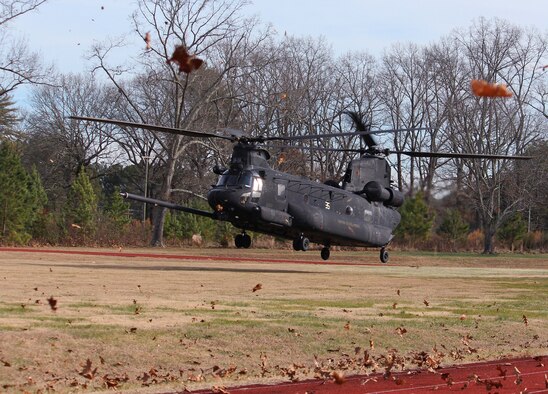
(257, 184)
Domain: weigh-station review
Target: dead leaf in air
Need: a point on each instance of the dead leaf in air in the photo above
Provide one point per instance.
(400, 331)
(525, 321)
(147, 39)
(338, 377)
(87, 371)
(257, 287)
(426, 303)
(52, 303)
(483, 88)
(186, 62)
(518, 376)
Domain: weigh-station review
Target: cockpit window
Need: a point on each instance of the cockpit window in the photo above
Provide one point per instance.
(244, 179)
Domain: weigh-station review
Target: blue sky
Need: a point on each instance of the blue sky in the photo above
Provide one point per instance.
(62, 31)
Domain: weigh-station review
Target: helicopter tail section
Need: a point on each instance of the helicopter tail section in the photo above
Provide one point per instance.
(170, 205)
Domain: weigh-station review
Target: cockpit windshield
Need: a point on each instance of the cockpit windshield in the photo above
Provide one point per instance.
(244, 178)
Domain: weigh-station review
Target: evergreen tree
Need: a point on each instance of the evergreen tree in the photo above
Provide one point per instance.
(118, 209)
(513, 229)
(36, 200)
(8, 117)
(416, 219)
(453, 227)
(81, 209)
(22, 197)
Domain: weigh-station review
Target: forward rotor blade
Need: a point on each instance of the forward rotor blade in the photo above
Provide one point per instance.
(345, 134)
(171, 130)
(317, 148)
(459, 155)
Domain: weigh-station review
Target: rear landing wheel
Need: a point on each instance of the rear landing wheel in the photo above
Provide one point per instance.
(384, 255)
(246, 241)
(325, 253)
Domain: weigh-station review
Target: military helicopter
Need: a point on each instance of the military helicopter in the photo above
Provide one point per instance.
(360, 211)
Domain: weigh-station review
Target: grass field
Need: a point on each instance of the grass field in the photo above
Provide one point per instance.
(148, 325)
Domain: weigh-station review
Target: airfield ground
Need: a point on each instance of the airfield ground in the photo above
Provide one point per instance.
(218, 318)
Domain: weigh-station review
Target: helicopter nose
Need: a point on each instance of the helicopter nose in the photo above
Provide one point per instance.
(222, 200)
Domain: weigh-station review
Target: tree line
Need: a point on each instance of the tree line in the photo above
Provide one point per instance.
(265, 84)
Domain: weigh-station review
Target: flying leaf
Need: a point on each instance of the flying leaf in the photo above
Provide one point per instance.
(147, 39)
(401, 331)
(87, 371)
(426, 303)
(398, 292)
(52, 303)
(347, 326)
(338, 377)
(525, 321)
(518, 376)
(448, 379)
(257, 287)
(483, 88)
(394, 305)
(502, 372)
(186, 62)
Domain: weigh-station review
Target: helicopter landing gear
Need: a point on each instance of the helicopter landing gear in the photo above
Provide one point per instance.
(384, 255)
(302, 243)
(325, 253)
(242, 241)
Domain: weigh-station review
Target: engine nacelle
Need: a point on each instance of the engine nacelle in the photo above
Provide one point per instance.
(376, 192)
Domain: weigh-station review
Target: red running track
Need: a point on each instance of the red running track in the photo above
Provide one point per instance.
(522, 375)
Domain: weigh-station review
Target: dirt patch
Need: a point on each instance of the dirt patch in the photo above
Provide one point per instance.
(148, 323)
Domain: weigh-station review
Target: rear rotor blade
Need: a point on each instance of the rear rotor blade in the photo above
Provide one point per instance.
(171, 130)
(459, 155)
(361, 126)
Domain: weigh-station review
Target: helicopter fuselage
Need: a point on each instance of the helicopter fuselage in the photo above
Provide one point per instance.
(255, 197)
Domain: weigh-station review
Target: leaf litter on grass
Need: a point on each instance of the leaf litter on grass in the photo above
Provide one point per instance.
(181, 337)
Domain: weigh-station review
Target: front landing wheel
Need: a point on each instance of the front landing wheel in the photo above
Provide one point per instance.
(384, 256)
(325, 253)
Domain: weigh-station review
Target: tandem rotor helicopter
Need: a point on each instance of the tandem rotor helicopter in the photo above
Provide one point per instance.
(361, 211)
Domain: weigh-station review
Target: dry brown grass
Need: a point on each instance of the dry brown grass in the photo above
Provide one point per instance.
(158, 324)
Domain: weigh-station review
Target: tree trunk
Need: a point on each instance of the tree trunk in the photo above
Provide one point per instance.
(158, 219)
(159, 213)
(489, 239)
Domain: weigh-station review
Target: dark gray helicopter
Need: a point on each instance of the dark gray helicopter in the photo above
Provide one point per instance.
(254, 197)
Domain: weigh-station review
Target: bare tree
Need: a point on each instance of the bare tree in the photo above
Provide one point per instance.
(406, 82)
(496, 52)
(59, 147)
(17, 64)
(213, 30)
